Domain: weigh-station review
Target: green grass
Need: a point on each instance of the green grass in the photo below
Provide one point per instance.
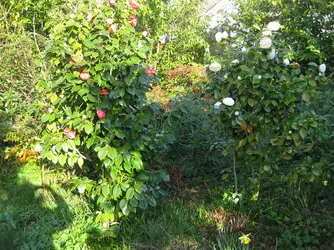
(53, 218)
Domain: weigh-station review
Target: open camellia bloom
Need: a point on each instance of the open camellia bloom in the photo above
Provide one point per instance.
(215, 67)
(112, 29)
(133, 21)
(273, 26)
(84, 75)
(322, 68)
(104, 92)
(134, 4)
(228, 101)
(286, 62)
(266, 43)
(71, 134)
(101, 114)
(150, 71)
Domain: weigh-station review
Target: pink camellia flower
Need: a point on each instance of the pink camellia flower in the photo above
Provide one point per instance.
(71, 134)
(133, 21)
(90, 18)
(104, 92)
(112, 29)
(101, 114)
(134, 4)
(84, 75)
(111, 2)
(150, 71)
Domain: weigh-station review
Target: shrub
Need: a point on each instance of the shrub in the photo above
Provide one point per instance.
(97, 119)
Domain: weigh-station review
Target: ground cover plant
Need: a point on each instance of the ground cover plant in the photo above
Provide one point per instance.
(115, 134)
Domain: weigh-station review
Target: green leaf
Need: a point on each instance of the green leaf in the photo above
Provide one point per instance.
(80, 162)
(117, 191)
(62, 159)
(45, 118)
(118, 160)
(129, 193)
(163, 174)
(306, 97)
(89, 44)
(105, 190)
(143, 204)
(251, 102)
(81, 187)
(303, 133)
(133, 202)
(102, 153)
(152, 201)
(123, 204)
(89, 128)
(112, 153)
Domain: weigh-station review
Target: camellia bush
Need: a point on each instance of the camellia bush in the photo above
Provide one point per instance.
(265, 99)
(96, 121)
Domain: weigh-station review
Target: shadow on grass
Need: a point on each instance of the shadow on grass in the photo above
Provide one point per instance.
(29, 214)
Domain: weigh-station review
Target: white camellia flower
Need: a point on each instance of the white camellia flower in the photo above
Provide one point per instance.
(271, 54)
(266, 32)
(239, 78)
(236, 113)
(235, 61)
(286, 62)
(219, 37)
(217, 105)
(266, 43)
(274, 26)
(38, 148)
(215, 67)
(322, 68)
(225, 35)
(228, 101)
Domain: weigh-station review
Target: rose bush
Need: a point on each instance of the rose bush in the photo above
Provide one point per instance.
(99, 119)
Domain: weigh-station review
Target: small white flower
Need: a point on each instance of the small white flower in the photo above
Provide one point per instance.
(84, 117)
(266, 32)
(286, 62)
(322, 68)
(217, 105)
(259, 77)
(109, 21)
(145, 33)
(215, 67)
(290, 132)
(239, 78)
(236, 113)
(274, 26)
(233, 34)
(271, 54)
(228, 101)
(266, 43)
(50, 110)
(38, 148)
(235, 61)
(243, 49)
